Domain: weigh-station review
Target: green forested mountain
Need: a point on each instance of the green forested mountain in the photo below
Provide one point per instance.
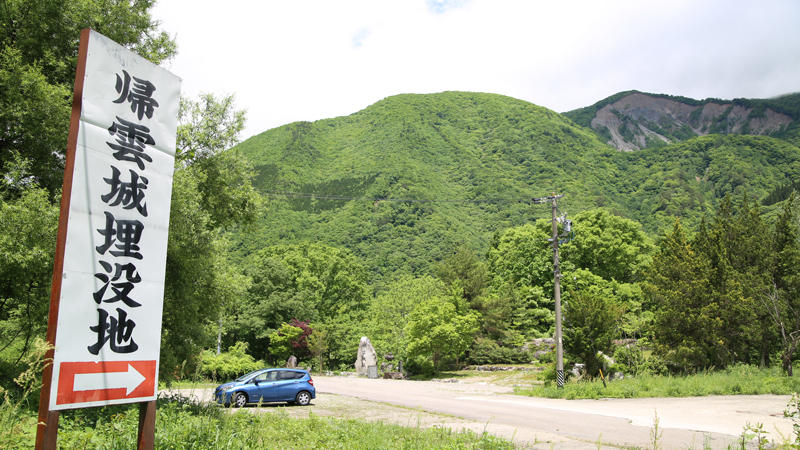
(468, 163)
(688, 179)
(632, 120)
(405, 181)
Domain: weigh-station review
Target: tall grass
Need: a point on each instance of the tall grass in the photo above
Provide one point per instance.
(186, 424)
(18, 414)
(736, 380)
(17, 423)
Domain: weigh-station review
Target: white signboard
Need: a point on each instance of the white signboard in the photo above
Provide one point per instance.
(112, 289)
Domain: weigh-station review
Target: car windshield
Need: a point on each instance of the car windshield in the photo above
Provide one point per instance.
(248, 375)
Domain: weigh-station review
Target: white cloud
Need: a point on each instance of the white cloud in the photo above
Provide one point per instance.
(289, 61)
(360, 36)
(442, 6)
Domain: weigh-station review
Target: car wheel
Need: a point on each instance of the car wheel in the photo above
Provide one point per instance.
(303, 398)
(240, 399)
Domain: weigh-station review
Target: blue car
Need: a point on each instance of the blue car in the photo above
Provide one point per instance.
(293, 386)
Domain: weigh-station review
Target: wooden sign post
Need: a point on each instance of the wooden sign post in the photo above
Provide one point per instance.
(107, 294)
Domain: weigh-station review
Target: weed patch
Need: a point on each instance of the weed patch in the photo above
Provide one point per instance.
(736, 380)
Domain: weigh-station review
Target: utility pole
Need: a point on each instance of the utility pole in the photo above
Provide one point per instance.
(557, 295)
(556, 286)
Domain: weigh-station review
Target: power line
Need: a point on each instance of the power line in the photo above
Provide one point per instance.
(314, 196)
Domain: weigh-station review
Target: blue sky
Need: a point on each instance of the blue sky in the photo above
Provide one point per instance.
(309, 60)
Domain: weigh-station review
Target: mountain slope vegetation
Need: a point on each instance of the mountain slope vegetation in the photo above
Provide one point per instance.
(405, 181)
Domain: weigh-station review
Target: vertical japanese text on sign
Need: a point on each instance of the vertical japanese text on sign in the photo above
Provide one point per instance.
(111, 299)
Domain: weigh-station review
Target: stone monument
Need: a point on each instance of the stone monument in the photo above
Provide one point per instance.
(366, 357)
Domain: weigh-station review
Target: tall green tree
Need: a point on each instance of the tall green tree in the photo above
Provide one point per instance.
(208, 125)
(465, 272)
(522, 256)
(708, 291)
(737, 244)
(197, 272)
(28, 225)
(207, 128)
(309, 282)
(686, 324)
(389, 312)
(520, 262)
(318, 344)
(38, 56)
(592, 318)
(436, 332)
(783, 300)
(342, 334)
(209, 195)
(612, 247)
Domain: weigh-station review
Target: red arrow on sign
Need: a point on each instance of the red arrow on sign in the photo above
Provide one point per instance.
(81, 382)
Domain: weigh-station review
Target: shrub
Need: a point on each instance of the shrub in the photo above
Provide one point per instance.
(228, 364)
(488, 351)
(632, 360)
(419, 365)
(549, 373)
(548, 357)
(285, 342)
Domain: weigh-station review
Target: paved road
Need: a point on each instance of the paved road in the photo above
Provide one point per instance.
(684, 422)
